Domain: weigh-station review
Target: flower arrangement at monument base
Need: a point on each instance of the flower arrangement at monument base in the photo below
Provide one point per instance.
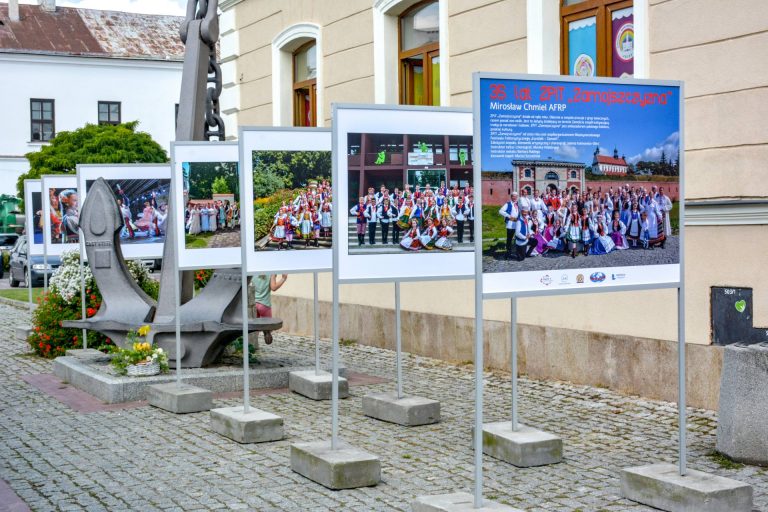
(142, 359)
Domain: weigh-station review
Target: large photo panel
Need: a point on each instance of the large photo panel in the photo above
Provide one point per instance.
(33, 216)
(581, 183)
(286, 184)
(206, 185)
(143, 193)
(61, 213)
(403, 183)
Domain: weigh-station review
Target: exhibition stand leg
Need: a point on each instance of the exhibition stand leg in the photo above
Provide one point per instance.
(511, 441)
(29, 284)
(82, 292)
(23, 331)
(316, 384)
(674, 487)
(407, 410)
(335, 464)
(45, 268)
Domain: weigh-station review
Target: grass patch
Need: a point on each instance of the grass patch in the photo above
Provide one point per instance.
(406, 456)
(199, 241)
(21, 294)
(347, 343)
(724, 461)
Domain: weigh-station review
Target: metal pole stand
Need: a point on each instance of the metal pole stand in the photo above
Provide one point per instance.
(316, 384)
(335, 464)
(674, 487)
(396, 407)
(511, 441)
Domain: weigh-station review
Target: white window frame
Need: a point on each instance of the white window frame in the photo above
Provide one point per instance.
(543, 20)
(386, 45)
(283, 46)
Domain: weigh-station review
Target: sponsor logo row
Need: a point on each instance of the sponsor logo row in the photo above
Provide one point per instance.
(595, 277)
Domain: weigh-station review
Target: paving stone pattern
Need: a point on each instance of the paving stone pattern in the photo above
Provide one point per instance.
(142, 458)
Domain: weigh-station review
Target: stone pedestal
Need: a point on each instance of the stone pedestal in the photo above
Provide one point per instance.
(742, 421)
(256, 426)
(661, 486)
(22, 332)
(410, 411)
(457, 502)
(88, 354)
(317, 386)
(179, 399)
(346, 467)
(526, 447)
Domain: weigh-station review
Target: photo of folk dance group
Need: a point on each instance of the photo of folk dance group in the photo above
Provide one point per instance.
(305, 221)
(422, 219)
(212, 211)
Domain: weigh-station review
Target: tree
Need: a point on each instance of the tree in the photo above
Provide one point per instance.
(204, 175)
(220, 186)
(92, 144)
(296, 168)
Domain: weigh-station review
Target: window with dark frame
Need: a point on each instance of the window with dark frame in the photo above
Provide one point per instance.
(43, 120)
(597, 38)
(419, 54)
(305, 85)
(109, 112)
(176, 117)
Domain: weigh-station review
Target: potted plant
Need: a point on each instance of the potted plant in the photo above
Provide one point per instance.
(142, 359)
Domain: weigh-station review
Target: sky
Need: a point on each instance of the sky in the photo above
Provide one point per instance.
(173, 7)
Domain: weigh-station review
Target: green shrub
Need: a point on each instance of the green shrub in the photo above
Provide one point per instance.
(5, 260)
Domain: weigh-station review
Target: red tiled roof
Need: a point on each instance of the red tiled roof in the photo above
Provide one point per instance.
(601, 159)
(91, 33)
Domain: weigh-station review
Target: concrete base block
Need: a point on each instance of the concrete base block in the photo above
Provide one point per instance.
(317, 386)
(88, 354)
(180, 399)
(410, 411)
(346, 467)
(256, 426)
(661, 486)
(457, 502)
(524, 448)
(22, 332)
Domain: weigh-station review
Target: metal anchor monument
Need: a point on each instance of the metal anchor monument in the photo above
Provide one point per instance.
(213, 318)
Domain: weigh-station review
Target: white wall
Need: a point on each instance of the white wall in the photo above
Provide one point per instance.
(147, 90)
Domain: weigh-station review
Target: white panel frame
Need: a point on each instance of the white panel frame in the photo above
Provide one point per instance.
(57, 181)
(30, 187)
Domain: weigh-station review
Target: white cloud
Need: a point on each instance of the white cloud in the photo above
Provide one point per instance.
(171, 7)
(566, 151)
(670, 146)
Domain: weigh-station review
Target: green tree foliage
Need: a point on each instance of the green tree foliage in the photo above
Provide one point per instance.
(92, 144)
(295, 168)
(220, 186)
(203, 176)
(266, 183)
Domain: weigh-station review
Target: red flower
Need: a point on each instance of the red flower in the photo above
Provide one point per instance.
(91, 311)
(41, 344)
(93, 297)
(74, 338)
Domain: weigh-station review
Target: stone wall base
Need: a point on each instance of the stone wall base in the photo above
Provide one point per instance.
(627, 364)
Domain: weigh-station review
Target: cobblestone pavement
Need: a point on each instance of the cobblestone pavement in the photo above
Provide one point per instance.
(561, 261)
(146, 459)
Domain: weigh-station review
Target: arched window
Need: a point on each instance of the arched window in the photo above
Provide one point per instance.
(551, 175)
(528, 190)
(527, 173)
(419, 54)
(305, 85)
(573, 175)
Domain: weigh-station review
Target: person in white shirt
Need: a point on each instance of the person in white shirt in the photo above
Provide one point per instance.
(524, 203)
(510, 211)
(371, 216)
(386, 213)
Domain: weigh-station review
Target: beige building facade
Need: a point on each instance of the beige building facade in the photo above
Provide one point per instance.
(626, 340)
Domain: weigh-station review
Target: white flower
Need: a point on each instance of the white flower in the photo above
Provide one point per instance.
(149, 359)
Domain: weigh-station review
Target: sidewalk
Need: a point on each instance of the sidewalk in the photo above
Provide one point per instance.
(142, 458)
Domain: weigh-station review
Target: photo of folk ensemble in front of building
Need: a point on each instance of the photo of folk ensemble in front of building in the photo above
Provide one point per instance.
(410, 193)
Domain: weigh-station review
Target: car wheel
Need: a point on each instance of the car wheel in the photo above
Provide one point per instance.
(14, 283)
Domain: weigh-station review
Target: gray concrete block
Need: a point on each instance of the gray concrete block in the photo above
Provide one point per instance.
(346, 467)
(661, 486)
(524, 448)
(742, 421)
(88, 354)
(256, 426)
(317, 386)
(410, 411)
(22, 332)
(456, 502)
(179, 399)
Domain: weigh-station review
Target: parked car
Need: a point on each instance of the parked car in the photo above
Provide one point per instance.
(7, 241)
(20, 260)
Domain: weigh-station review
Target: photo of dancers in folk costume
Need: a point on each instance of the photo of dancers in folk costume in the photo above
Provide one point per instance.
(143, 205)
(211, 217)
(212, 208)
(593, 223)
(421, 219)
(64, 215)
(303, 223)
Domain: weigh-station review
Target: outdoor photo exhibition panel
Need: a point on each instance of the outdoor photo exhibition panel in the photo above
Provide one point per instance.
(207, 204)
(143, 197)
(596, 167)
(61, 212)
(33, 216)
(418, 151)
(286, 190)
